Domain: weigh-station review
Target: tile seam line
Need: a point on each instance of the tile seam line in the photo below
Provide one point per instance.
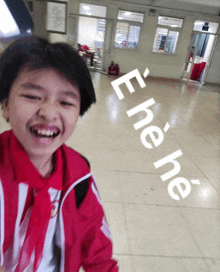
(194, 239)
(138, 172)
(165, 256)
(170, 206)
(205, 176)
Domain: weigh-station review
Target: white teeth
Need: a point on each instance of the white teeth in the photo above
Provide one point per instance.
(44, 132)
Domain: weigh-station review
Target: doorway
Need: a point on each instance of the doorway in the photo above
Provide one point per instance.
(199, 55)
(91, 32)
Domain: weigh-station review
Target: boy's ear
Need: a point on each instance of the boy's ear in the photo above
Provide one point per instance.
(5, 110)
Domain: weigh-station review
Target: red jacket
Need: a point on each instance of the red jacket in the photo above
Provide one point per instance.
(84, 48)
(82, 234)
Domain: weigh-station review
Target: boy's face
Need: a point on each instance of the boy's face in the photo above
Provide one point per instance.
(42, 108)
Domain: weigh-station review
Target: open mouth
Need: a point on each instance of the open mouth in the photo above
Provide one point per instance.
(44, 133)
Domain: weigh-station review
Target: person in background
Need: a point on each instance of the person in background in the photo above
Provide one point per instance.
(86, 53)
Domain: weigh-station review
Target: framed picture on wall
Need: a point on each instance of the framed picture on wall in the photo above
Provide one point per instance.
(56, 17)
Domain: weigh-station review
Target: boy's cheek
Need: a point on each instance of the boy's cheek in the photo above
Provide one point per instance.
(5, 110)
(24, 110)
(5, 116)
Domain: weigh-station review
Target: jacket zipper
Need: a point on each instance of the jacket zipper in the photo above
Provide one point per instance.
(62, 238)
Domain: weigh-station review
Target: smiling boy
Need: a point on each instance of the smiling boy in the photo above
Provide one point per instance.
(51, 214)
(43, 108)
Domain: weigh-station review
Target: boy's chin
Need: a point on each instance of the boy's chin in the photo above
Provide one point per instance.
(34, 154)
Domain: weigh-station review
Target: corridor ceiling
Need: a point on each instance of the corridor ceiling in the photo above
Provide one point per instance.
(200, 6)
(210, 3)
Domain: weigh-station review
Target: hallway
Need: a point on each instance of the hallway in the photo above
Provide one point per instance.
(150, 230)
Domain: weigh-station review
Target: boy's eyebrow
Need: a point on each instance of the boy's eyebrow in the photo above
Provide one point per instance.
(71, 94)
(29, 85)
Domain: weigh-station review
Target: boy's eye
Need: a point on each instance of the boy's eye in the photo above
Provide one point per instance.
(66, 103)
(32, 97)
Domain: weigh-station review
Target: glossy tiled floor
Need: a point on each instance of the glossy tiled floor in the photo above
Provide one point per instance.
(150, 230)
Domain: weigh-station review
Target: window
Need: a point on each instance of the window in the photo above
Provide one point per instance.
(92, 10)
(167, 34)
(130, 16)
(128, 32)
(168, 21)
(202, 45)
(100, 35)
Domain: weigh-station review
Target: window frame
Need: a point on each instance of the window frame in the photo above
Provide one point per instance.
(130, 23)
(92, 16)
(169, 28)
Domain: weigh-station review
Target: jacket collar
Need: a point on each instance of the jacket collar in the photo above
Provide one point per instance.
(74, 165)
(26, 172)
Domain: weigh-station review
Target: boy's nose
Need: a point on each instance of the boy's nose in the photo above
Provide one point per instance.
(48, 112)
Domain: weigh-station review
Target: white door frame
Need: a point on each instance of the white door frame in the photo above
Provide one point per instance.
(186, 75)
(72, 34)
(107, 44)
(207, 67)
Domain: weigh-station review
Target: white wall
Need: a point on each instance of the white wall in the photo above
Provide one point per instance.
(39, 18)
(214, 71)
(160, 65)
(185, 5)
(209, 48)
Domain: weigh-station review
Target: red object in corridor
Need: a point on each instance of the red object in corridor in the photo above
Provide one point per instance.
(197, 70)
(113, 69)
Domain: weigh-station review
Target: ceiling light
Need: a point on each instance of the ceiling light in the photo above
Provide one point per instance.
(127, 13)
(120, 18)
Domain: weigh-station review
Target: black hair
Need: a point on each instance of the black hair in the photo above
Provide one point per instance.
(37, 53)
